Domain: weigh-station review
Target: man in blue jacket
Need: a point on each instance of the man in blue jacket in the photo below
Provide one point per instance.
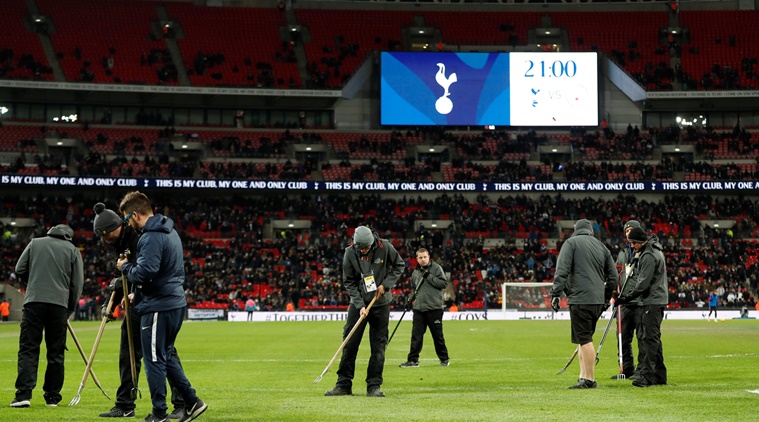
(160, 301)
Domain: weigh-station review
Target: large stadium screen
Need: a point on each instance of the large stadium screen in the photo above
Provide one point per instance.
(479, 89)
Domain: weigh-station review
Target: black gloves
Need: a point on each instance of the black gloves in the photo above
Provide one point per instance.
(621, 300)
(104, 312)
(425, 274)
(115, 285)
(555, 303)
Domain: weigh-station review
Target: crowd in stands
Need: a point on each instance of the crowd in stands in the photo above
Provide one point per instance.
(10, 62)
(229, 257)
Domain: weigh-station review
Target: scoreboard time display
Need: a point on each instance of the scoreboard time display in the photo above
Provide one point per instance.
(478, 89)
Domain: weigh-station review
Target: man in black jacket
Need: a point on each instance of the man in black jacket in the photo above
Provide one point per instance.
(53, 269)
(650, 282)
(124, 238)
(585, 271)
(428, 280)
(371, 267)
(629, 313)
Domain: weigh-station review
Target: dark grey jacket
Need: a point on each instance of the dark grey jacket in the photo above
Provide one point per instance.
(54, 270)
(585, 270)
(383, 260)
(429, 295)
(649, 277)
(626, 256)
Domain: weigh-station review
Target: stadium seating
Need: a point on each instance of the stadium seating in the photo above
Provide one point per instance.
(17, 38)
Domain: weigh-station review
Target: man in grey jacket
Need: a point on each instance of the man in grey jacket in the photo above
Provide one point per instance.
(54, 271)
(585, 272)
(649, 278)
(428, 281)
(371, 267)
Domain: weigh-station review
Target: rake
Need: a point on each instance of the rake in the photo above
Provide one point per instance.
(78, 395)
(348, 337)
(84, 357)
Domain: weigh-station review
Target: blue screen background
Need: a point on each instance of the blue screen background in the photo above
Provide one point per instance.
(409, 89)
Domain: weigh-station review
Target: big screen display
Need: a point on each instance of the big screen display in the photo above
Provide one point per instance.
(478, 89)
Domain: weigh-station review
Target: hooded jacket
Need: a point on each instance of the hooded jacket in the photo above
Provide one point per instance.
(54, 269)
(625, 257)
(429, 294)
(585, 270)
(159, 270)
(382, 260)
(649, 278)
(126, 242)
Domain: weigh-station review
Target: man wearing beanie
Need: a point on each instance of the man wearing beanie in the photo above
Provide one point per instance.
(371, 267)
(124, 238)
(585, 272)
(628, 314)
(649, 280)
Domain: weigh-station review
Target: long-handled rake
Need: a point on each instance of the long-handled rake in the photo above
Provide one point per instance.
(621, 374)
(348, 337)
(614, 314)
(569, 362)
(135, 391)
(84, 357)
(78, 396)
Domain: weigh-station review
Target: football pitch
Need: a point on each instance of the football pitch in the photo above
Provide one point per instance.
(500, 370)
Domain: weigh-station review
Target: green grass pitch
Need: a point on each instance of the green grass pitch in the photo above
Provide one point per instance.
(500, 370)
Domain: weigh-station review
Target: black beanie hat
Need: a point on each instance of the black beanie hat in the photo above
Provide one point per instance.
(106, 220)
(631, 223)
(637, 235)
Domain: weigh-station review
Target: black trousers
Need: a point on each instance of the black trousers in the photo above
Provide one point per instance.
(159, 330)
(422, 320)
(124, 398)
(630, 315)
(39, 317)
(650, 353)
(378, 320)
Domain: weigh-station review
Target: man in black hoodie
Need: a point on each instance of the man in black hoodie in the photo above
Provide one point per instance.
(371, 267)
(585, 272)
(54, 271)
(649, 278)
(114, 231)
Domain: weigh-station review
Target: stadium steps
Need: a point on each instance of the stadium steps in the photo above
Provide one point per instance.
(47, 43)
(173, 46)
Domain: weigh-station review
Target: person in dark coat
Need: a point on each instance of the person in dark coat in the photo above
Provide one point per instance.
(585, 272)
(371, 267)
(54, 271)
(160, 300)
(650, 283)
(428, 281)
(114, 231)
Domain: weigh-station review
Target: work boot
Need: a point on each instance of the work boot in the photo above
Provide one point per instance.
(338, 391)
(374, 392)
